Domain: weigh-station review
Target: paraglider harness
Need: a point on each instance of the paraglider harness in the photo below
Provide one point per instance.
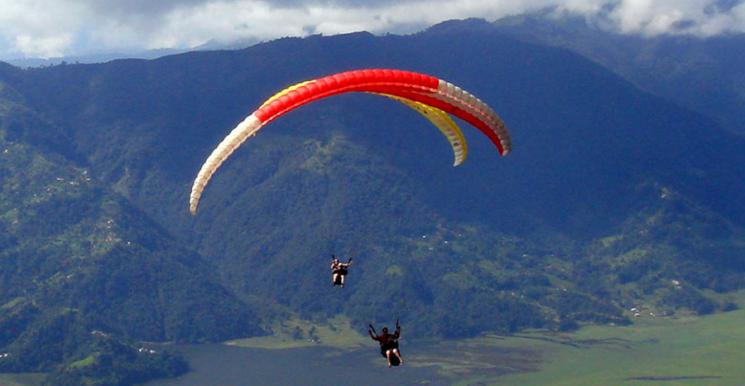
(387, 341)
(339, 268)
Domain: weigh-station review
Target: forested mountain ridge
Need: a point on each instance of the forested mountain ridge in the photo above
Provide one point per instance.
(76, 258)
(612, 197)
(705, 74)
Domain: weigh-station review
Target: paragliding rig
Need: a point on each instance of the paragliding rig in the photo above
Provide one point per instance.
(388, 343)
(339, 271)
(432, 97)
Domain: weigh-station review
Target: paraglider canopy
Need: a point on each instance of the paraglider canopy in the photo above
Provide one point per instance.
(432, 97)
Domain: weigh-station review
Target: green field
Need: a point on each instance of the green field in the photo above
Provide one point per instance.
(21, 379)
(663, 351)
(685, 350)
(296, 333)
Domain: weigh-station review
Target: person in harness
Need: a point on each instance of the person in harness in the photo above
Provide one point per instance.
(339, 271)
(388, 344)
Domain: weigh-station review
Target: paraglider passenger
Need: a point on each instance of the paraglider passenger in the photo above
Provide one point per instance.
(388, 344)
(339, 271)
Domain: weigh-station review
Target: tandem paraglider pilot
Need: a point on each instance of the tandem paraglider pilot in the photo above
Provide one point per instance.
(388, 344)
(339, 271)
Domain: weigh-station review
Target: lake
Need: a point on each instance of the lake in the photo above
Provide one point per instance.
(222, 365)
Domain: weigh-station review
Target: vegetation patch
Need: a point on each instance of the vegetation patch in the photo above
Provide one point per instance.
(295, 333)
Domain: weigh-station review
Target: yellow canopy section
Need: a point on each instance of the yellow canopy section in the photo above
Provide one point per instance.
(285, 91)
(442, 121)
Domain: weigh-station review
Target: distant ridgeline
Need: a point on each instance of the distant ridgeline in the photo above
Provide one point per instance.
(612, 199)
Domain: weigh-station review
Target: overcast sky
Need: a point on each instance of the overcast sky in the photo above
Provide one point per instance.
(54, 28)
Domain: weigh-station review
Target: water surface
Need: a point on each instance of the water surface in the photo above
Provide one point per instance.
(221, 365)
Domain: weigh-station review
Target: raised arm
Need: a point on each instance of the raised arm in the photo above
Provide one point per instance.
(372, 332)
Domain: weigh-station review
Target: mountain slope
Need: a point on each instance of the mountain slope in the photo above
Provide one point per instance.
(703, 74)
(76, 257)
(508, 242)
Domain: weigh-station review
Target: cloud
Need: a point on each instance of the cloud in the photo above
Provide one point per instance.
(697, 17)
(49, 28)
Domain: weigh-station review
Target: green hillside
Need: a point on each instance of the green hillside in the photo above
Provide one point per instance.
(77, 258)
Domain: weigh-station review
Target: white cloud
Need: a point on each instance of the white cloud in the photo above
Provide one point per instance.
(655, 17)
(38, 29)
(42, 45)
(47, 28)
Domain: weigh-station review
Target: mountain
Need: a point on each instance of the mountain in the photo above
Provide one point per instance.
(98, 57)
(705, 74)
(613, 197)
(107, 56)
(76, 257)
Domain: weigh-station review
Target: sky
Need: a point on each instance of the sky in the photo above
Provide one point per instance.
(70, 28)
